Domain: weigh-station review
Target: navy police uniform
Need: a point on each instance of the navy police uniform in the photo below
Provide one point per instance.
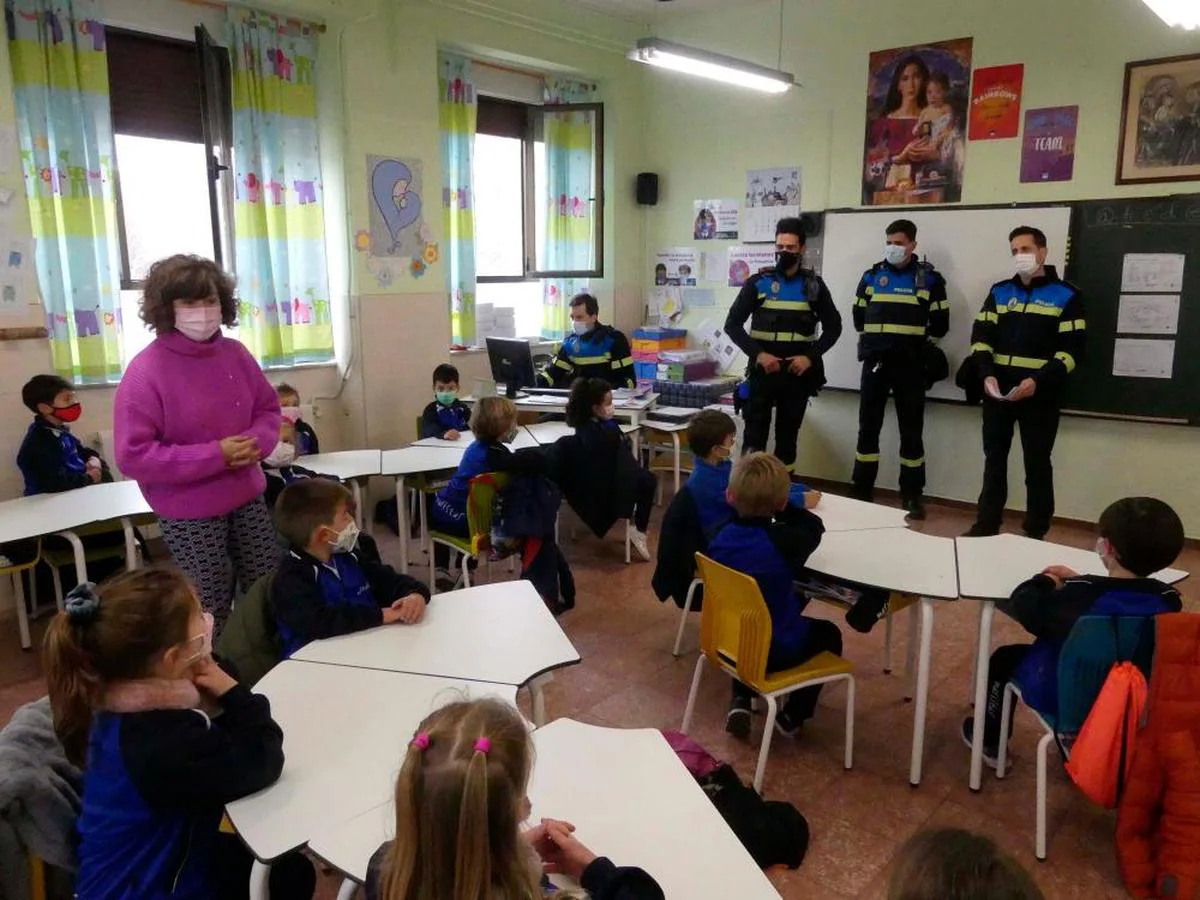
(603, 353)
(789, 317)
(897, 312)
(1024, 331)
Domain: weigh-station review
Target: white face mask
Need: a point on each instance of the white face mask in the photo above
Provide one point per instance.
(284, 454)
(198, 323)
(1102, 549)
(581, 328)
(1026, 263)
(895, 254)
(346, 538)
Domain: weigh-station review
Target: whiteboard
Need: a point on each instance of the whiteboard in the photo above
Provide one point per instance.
(969, 247)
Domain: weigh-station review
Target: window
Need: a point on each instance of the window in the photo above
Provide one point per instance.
(517, 240)
(170, 132)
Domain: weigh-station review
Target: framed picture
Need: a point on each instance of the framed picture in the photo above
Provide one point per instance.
(1160, 121)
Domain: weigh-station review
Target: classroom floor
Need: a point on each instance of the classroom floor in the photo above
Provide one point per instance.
(858, 819)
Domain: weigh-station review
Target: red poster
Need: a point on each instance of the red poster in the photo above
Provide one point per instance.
(996, 102)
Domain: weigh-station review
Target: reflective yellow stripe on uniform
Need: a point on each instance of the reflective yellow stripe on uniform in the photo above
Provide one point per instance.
(860, 301)
(784, 337)
(789, 305)
(563, 364)
(922, 295)
(592, 360)
(986, 348)
(622, 363)
(1073, 325)
(870, 290)
(906, 299)
(866, 457)
(940, 305)
(1067, 360)
(1039, 310)
(1023, 362)
(986, 316)
(876, 328)
(912, 463)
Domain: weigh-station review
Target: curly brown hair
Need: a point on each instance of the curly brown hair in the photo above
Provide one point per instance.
(184, 277)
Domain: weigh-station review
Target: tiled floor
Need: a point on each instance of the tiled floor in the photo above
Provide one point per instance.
(858, 819)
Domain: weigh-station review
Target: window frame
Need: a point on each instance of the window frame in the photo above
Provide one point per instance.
(222, 231)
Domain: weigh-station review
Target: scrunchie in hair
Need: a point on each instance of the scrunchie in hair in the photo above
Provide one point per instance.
(82, 603)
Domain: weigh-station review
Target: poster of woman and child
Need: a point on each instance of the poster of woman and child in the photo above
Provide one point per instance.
(917, 101)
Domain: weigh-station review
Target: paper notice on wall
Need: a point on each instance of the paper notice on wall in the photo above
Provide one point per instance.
(745, 261)
(771, 195)
(664, 306)
(1148, 314)
(1143, 359)
(1151, 273)
(716, 220)
(717, 343)
(679, 265)
(699, 298)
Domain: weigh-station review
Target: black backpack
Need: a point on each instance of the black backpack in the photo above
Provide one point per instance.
(772, 831)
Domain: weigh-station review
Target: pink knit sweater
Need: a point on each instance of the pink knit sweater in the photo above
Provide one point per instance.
(177, 401)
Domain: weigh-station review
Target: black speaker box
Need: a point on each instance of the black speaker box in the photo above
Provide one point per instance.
(647, 189)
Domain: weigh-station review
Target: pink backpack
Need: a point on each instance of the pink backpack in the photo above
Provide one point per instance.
(695, 758)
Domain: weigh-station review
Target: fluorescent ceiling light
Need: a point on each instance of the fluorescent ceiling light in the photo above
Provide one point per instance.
(1184, 13)
(679, 58)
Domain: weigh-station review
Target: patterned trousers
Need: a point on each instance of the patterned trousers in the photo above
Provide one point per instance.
(223, 552)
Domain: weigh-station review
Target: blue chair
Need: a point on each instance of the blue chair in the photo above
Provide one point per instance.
(1094, 645)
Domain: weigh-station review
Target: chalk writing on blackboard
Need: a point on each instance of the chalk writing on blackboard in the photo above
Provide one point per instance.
(1169, 212)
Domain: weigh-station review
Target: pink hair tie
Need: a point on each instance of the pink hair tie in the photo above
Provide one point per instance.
(421, 741)
(483, 745)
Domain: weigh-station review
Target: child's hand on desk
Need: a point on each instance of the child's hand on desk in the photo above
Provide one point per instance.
(560, 851)
(408, 610)
(1059, 574)
(451, 435)
(811, 499)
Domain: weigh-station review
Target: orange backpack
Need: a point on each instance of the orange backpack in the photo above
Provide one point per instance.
(1103, 751)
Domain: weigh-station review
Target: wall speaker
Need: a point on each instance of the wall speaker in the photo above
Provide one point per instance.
(647, 189)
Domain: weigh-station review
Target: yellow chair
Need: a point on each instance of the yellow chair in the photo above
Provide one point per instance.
(481, 507)
(16, 571)
(735, 636)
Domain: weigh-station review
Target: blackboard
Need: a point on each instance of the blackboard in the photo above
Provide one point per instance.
(1102, 233)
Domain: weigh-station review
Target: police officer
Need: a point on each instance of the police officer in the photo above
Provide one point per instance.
(899, 308)
(1026, 340)
(785, 305)
(593, 351)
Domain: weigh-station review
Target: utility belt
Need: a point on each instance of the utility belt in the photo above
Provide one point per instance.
(783, 337)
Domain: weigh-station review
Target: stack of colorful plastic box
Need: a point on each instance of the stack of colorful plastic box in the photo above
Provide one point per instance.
(648, 342)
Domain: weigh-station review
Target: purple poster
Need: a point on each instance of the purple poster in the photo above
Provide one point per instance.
(1048, 148)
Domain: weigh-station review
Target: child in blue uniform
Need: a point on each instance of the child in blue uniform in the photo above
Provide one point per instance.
(135, 692)
(1138, 537)
(446, 417)
(306, 439)
(771, 540)
(52, 459)
(324, 587)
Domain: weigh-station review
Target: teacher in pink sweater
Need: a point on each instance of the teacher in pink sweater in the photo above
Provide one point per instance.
(193, 416)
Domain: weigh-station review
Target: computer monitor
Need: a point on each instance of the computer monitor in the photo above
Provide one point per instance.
(512, 363)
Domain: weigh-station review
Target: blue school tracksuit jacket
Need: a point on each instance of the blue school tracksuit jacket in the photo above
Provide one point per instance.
(52, 460)
(154, 791)
(708, 484)
(774, 553)
(437, 419)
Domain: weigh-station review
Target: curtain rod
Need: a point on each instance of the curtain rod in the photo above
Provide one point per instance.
(217, 4)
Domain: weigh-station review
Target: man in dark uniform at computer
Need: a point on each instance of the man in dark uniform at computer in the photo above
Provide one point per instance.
(785, 306)
(593, 351)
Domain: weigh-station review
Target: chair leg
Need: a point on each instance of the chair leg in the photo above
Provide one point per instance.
(1006, 711)
(850, 688)
(464, 566)
(974, 673)
(628, 526)
(1042, 751)
(687, 608)
(432, 566)
(887, 643)
(765, 746)
(910, 660)
(58, 591)
(22, 611)
(691, 700)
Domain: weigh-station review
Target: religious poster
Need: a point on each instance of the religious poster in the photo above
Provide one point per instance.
(996, 103)
(716, 220)
(916, 124)
(1048, 148)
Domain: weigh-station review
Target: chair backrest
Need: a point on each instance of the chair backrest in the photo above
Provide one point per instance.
(1093, 646)
(418, 430)
(481, 507)
(735, 625)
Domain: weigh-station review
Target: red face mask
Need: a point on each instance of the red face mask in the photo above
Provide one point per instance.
(67, 413)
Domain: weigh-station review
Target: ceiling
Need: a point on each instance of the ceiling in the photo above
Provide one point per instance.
(647, 10)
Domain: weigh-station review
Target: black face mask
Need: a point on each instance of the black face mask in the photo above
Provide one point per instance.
(786, 260)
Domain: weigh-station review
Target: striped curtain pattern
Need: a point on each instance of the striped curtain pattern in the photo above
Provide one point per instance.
(64, 129)
(279, 230)
(457, 115)
(570, 170)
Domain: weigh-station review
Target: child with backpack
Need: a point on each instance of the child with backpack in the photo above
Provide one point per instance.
(1138, 537)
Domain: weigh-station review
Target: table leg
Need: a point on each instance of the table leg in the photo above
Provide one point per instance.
(910, 655)
(131, 547)
(347, 890)
(675, 444)
(356, 490)
(918, 745)
(402, 522)
(987, 610)
(260, 877)
(887, 645)
(80, 561)
(537, 694)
